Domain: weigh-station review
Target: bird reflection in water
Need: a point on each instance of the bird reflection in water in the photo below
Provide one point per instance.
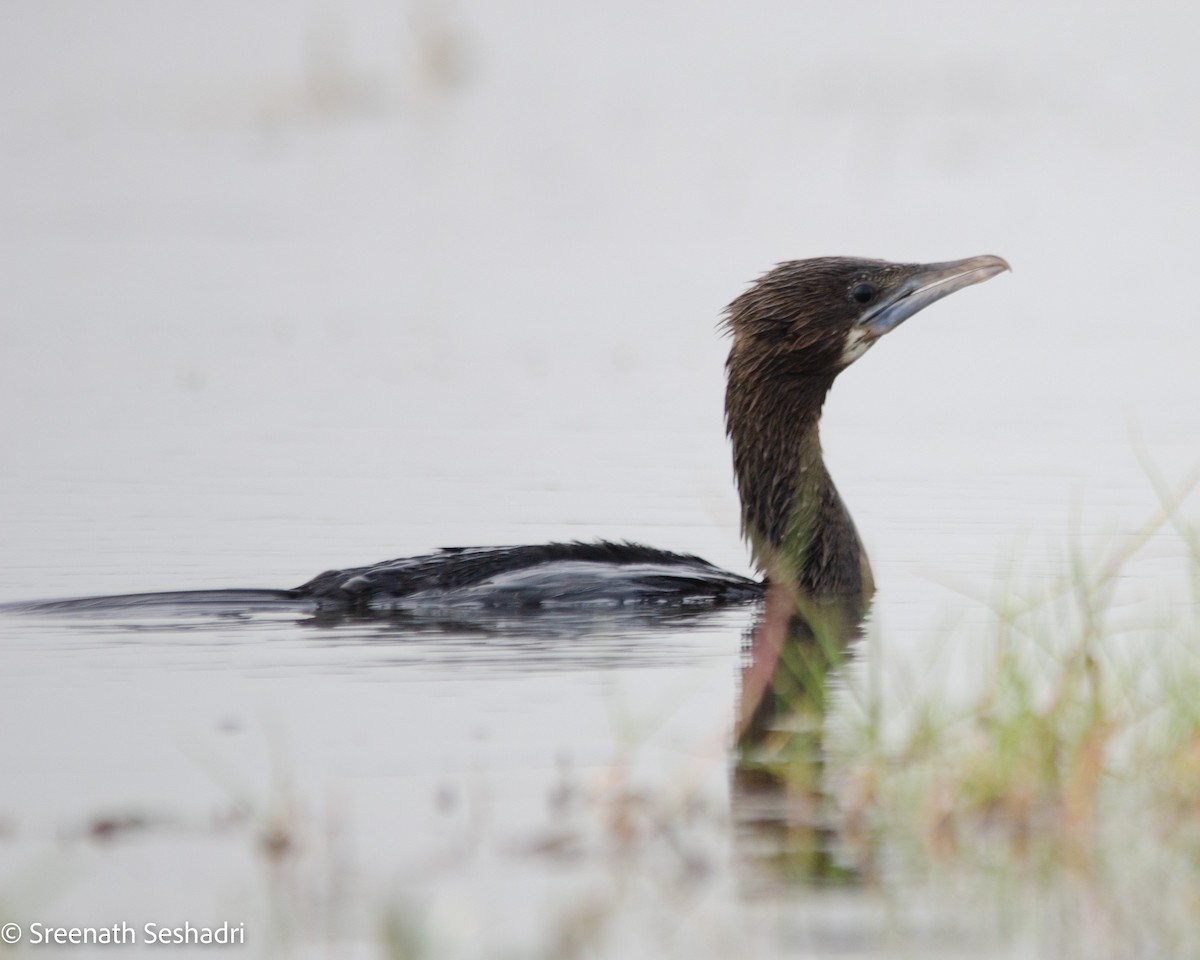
(781, 804)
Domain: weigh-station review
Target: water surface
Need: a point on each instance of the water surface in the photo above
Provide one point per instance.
(327, 287)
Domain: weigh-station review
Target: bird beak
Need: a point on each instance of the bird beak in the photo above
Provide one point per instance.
(926, 284)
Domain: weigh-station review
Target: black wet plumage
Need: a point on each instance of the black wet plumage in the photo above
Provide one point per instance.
(457, 580)
(531, 576)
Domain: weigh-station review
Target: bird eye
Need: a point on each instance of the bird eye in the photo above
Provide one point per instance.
(863, 292)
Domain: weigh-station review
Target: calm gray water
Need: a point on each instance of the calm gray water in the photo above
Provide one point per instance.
(300, 287)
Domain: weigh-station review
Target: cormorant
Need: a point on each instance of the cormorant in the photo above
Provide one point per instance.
(799, 326)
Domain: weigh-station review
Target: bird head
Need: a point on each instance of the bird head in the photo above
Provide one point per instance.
(818, 316)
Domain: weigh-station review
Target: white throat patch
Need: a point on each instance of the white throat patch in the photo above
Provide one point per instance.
(857, 343)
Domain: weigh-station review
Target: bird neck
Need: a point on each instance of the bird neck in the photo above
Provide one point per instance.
(800, 533)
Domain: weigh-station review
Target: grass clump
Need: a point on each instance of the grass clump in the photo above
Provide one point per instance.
(1064, 789)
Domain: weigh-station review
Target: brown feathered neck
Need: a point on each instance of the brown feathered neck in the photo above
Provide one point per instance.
(789, 339)
(798, 529)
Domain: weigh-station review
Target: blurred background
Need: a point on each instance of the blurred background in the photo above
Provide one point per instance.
(298, 285)
(292, 286)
